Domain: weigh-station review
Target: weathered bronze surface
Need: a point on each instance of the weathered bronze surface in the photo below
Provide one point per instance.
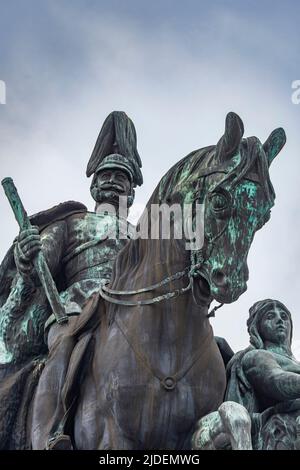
(265, 378)
(228, 428)
(137, 375)
(262, 400)
(39, 262)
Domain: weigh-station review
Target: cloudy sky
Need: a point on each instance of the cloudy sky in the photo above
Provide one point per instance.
(176, 68)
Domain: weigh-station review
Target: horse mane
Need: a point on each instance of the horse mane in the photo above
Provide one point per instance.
(252, 164)
(183, 173)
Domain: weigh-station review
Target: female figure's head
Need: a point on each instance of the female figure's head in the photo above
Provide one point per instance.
(270, 322)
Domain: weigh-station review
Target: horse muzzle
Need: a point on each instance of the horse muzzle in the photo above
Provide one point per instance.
(219, 287)
(227, 294)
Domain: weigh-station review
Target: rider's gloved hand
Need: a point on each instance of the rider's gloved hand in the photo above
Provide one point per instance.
(26, 248)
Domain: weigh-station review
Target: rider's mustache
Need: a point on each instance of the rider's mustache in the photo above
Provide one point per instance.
(115, 186)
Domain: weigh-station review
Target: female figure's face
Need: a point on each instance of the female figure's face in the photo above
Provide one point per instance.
(275, 325)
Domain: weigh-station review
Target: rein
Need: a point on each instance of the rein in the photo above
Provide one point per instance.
(174, 277)
(104, 290)
(191, 272)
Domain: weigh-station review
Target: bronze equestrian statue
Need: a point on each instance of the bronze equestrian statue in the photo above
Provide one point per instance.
(153, 368)
(156, 368)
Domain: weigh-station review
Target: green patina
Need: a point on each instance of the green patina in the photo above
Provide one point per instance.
(81, 257)
(80, 250)
(272, 395)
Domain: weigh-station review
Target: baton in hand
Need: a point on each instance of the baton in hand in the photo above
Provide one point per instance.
(39, 261)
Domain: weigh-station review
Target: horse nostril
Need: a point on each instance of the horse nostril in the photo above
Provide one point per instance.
(218, 278)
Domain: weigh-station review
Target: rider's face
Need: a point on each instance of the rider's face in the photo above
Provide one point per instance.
(275, 325)
(109, 185)
(113, 180)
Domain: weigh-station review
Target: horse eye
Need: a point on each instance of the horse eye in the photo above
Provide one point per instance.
(219, 202)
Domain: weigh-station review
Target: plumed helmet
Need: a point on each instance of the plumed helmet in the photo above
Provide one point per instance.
(116, 147)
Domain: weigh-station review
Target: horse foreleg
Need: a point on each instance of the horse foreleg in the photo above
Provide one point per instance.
(237, 422)
(229, 427)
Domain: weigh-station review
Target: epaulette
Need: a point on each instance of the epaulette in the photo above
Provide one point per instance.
(59, 212)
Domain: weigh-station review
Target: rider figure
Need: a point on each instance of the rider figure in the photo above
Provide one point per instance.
(80, 250)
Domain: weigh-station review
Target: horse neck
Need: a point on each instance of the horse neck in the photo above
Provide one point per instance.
(145, 262)
(173, 325)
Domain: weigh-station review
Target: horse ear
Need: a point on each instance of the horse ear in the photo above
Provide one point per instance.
(274, 144)
(229, 144)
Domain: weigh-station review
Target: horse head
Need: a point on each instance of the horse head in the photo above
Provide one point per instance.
(232, 181)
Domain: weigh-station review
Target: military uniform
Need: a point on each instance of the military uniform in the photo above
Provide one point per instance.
(80, 251)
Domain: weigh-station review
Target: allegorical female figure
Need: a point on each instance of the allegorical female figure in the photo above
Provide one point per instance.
(265, 377)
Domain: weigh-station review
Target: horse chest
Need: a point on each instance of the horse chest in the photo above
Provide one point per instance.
(142, 406)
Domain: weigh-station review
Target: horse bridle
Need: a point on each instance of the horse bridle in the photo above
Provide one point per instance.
(192, 271)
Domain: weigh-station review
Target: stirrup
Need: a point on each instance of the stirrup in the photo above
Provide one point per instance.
(60, 442)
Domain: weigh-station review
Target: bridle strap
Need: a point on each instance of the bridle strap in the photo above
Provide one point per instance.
(165, 281)
(140, 303)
